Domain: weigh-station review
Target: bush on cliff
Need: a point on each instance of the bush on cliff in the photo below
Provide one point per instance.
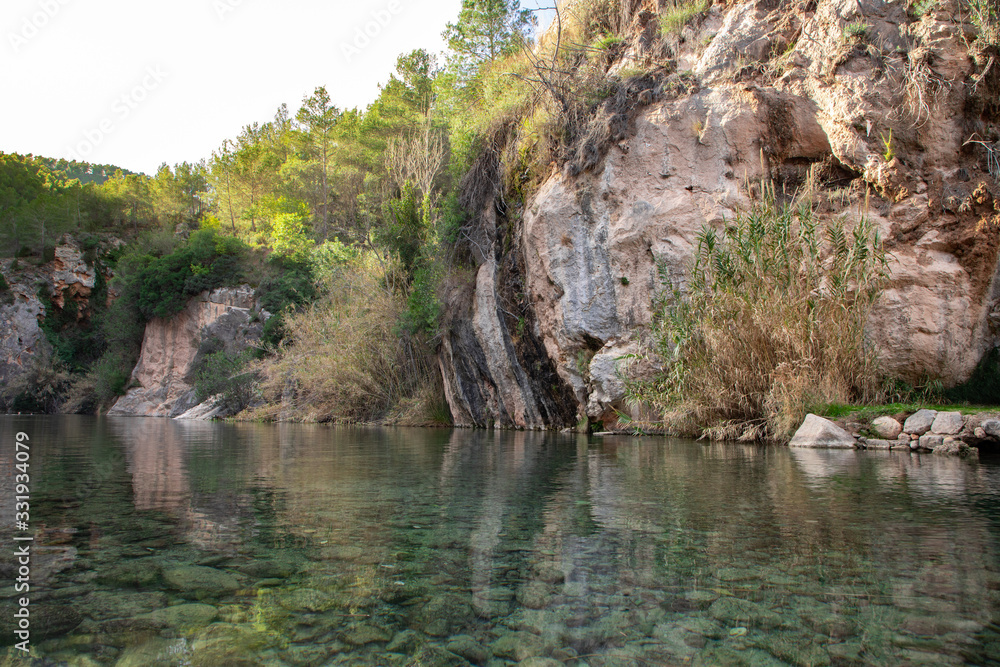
(206, 261)
(771, 324)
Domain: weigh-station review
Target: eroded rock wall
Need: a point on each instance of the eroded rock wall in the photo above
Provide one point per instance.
(173, 347)
(876, 126)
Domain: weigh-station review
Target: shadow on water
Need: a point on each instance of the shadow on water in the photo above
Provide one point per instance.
(169, 543)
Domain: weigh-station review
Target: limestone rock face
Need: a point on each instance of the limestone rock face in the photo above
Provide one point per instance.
(21, 338)
(821, 433)
(173, 347)
(72, 277)
(597, 246)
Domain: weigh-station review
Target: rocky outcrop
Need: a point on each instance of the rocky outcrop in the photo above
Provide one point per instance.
(871, 126)
(224, 319)
(68, 277)
(21, 337)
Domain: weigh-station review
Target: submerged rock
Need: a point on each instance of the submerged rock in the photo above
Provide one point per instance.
(740, 612)
(821, 433)
(200, 582)
(184, 616)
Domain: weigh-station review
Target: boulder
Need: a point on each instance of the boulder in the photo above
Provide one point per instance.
(948, 423)
(956, 447)
(991, 427)
(821, 433)
(887, 427)
(930, 441)
(920, 422)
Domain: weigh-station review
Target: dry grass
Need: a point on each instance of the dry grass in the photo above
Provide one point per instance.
(772, 324)
(345, 358)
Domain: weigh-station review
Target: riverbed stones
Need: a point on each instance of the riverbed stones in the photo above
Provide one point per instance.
(948, 423)
(468, 648)
(739, 612)
(102, 605)
(818, 432)
(887, 428)
(306, 600)
(443, 614)
(185, 616)
(920, 422)
(200, 582)
(138, 573)
(517, 646)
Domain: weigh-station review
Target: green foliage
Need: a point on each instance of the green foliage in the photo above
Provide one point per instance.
(485, 31)
(404, 231)
(423, 306)
(856, 30)
(920, 8)
(206, 261)
(607, 42)
(674, 19)
(289, 286)
(228, 376)
(772, 323)
(888, 151)
(288, 231)
(985, 16)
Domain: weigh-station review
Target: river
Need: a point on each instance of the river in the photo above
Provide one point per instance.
(159, 542)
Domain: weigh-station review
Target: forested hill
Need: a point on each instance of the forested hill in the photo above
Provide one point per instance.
(85, 172)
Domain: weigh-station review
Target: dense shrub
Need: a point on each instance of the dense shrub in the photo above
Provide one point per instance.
(772, 324)
(206, 261)
(226, 376)
(345, 358)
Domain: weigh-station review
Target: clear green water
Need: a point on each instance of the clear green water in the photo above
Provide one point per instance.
(168, 543)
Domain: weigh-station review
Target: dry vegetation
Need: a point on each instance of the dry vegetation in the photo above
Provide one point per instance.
(345, 358)
(771, 325)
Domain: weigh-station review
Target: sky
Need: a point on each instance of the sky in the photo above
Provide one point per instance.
(137, 83)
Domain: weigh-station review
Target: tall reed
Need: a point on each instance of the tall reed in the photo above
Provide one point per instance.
(771, 322)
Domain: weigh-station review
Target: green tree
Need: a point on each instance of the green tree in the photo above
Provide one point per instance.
(317, 120)
(485, 31)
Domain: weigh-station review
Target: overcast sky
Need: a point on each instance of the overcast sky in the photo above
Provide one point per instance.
(136, 83)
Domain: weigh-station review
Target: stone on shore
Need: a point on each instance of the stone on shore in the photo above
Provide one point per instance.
(931, 441)
(956, 447)
(991, 427)
(821, 433)
(887, 428)
(948, 423)
(920, 422)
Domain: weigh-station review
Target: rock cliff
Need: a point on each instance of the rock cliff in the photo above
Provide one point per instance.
(68, 277)
(858, 105)
(172, 348)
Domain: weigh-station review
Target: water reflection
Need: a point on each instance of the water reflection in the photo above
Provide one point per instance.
(336, 543)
